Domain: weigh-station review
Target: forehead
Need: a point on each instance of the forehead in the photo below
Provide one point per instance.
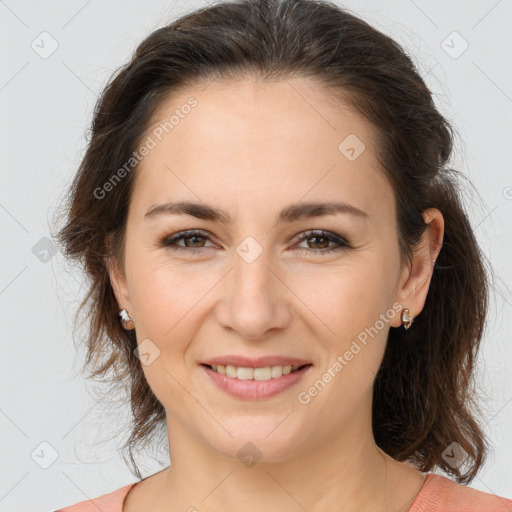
(268, 113)
(272, 141)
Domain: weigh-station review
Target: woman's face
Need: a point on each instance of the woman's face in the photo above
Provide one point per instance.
(246, 285)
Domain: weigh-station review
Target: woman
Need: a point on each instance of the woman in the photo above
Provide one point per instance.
(282, 271)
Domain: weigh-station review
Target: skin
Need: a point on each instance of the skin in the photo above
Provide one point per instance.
(251, 149)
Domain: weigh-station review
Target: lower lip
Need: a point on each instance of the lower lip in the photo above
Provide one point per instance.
(255, 389)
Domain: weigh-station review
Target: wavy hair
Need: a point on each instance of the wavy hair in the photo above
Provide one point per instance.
(424, 398)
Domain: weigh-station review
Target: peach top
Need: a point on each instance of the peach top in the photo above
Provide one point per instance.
(438, 494)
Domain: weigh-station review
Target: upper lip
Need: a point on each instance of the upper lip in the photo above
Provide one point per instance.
(258, 362)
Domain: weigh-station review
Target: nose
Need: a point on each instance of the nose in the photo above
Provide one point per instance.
(255, 300)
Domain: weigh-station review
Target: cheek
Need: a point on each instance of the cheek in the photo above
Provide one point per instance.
(351, 319)
(164, 301)
(345, 298)
(162, 293)
(354, 335)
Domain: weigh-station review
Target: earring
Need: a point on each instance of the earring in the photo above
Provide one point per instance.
(406, 319)
(127, 322)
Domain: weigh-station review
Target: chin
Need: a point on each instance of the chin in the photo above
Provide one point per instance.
(264, 439)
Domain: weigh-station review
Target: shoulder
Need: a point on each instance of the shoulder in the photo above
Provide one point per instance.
(112, 502)
(440, 494)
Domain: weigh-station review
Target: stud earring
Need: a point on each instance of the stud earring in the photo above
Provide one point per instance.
(127, 322)
(406, 319)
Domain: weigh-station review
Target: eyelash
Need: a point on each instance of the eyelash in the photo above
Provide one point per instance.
(170, 241)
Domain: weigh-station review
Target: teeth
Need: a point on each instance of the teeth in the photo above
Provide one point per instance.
(244, 373)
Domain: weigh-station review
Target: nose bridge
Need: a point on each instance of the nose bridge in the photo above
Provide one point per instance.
(251, 274)
(253, 254)
(254, 302)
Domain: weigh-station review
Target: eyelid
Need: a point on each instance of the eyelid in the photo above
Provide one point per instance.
(341, 243)
(309, 233)
(169, 241)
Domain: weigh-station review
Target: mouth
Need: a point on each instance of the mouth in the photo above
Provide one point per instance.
(247, 383)
(261, 374)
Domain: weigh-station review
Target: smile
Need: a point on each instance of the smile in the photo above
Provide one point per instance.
(245, 373)
(254, 383)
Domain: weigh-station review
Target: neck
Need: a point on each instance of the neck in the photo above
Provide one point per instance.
(349, 470)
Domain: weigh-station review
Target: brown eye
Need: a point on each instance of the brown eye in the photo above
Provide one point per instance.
(322, 239)
(192, 240)
(195, 241)
(316, 238)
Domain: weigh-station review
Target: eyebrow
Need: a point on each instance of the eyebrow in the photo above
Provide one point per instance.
(291, 213)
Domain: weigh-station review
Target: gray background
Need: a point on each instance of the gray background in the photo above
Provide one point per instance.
(46, 106)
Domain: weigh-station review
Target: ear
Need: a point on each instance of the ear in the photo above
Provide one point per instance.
(415, 279)
(117, 278)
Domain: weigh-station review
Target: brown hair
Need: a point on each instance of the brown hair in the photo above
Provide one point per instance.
(423, 394)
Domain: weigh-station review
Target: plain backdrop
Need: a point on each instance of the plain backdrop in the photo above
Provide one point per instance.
(58, 446)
